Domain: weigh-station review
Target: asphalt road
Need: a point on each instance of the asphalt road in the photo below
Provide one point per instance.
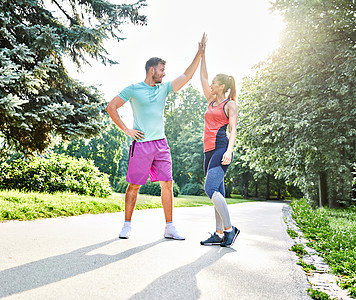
(83, 258)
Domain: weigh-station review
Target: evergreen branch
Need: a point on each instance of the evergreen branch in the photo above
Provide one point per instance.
(65, 13)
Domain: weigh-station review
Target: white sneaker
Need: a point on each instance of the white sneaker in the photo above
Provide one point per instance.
(171, 232)
(125, 232)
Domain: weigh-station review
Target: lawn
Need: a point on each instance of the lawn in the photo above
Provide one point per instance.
(16, 205)
(332, 232)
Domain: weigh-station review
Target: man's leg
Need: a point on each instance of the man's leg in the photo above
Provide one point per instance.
(167, 199)
(170, 231)
(130, 200)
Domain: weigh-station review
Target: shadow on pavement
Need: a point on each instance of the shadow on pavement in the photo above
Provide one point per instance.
(49, 270)
(181, 283)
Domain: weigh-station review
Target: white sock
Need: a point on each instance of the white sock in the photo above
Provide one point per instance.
(228, 230)
(219, 234)
(168, 224)
(127, 223)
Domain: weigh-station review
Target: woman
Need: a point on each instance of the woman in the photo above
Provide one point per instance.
(218, 149)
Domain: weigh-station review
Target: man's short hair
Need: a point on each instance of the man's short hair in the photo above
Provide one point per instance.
(153, 62)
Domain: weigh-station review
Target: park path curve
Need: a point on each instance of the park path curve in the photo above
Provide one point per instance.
(82, 258)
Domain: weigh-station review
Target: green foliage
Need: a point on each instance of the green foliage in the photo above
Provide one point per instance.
(154, 189)
(124, 162)
(297, 116)
(292, 233)
(176, 189)
(38, 99)
(306, 267)
(195, 189)
(151, 188)
(184, 127)
(54, 173)
(299, 250)
(318, 295)
(332, 232)
(121, 185)
(105, 150)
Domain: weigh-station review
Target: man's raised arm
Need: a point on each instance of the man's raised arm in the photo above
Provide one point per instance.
(179, 82)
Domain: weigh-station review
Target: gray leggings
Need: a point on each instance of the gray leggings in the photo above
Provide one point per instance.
(214, 188)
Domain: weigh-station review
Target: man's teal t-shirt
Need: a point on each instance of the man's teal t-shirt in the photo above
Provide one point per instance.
(147, 104)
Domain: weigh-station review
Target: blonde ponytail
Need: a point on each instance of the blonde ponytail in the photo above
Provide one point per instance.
(229, 83)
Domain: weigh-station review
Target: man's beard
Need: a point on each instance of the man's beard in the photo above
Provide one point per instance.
(156, 78)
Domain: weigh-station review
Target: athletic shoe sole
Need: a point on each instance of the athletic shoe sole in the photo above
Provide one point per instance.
(172, 238)
(233, 241)
(210, 244)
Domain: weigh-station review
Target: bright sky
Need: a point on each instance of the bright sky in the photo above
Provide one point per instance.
(240, 34)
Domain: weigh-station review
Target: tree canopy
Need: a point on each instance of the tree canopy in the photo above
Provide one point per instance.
(38, 98)
(298, 115)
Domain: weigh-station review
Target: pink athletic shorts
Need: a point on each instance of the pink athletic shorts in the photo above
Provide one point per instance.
(149, 158)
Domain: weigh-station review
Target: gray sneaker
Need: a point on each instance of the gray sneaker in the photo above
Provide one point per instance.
(213, 240)
(230, 237)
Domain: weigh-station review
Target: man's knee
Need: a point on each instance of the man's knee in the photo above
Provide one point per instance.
(166, 185)
(132, 188)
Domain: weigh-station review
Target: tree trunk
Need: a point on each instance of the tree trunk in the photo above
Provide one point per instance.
(323, 191)
(256, 189)
(268, 189)
(279, 193)
(333, 200)
(246, 188)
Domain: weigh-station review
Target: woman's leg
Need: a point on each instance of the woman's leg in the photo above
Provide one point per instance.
(213, 182)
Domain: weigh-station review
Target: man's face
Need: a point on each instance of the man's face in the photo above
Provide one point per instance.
(159, 73)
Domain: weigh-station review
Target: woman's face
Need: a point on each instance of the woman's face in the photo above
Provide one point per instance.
(216, 87)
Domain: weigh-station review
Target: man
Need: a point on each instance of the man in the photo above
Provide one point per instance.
(149, 153)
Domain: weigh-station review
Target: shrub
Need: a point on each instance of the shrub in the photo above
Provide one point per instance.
(176, 190)
(120, 185)
(151, 188)
(154, 189)
(55, 173)
(195, 189)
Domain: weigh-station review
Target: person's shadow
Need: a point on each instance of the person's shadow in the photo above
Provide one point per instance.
(49, 270)
(181, 283)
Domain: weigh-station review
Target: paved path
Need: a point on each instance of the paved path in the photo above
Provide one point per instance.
(82, 258)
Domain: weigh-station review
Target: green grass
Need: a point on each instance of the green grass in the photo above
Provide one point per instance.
(318, 295)
(16, 205)
(292, 233)
(332, 232)
(299, 250)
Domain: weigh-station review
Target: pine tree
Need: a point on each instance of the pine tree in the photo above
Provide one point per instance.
(38, 98)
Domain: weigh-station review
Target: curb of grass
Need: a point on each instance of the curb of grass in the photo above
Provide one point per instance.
(323, 284)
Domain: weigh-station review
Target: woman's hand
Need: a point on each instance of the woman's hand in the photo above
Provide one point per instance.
(227, 157)
(136, 134)
(202, 44)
